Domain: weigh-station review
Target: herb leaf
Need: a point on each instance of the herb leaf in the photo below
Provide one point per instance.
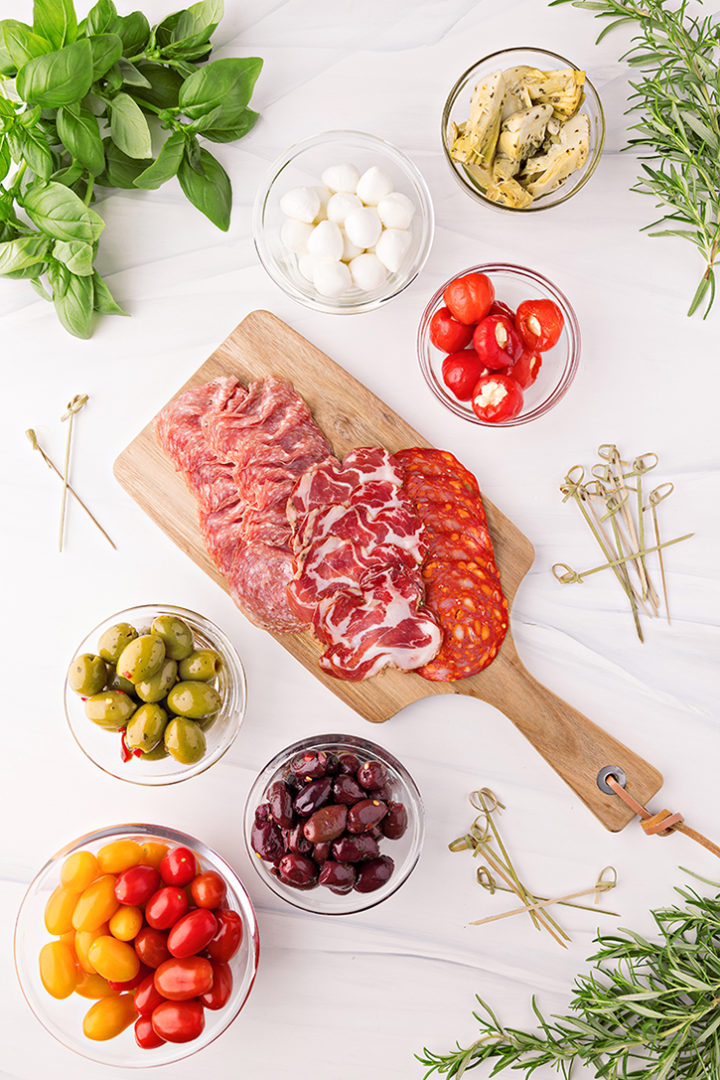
(103, 300)
(100, 17)
(209, 190)
(129, 128)
(59, 212)
(120, 170)
(56, 21)
(106, 50)
(21, 253)
(134, 29)
(166, 165)
(228, 82)
(57, 78)
(22, 45)
(225, 125)
(80, 132)
(75, 255)
(32, 145)
(74, 304)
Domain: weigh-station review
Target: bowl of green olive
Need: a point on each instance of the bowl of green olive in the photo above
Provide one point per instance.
(155, 694)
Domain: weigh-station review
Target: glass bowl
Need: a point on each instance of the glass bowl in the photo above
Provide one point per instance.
(302, 165)
(405, 852)
(63, 1019)
(457, 107)
(513, 284)
(104, 748)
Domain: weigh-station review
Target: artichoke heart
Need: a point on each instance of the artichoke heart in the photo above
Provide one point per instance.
(504, 167)
(523, 132)
(563, 89)
(509, 193)
(476, 139)
(545, 172)
(517, 95)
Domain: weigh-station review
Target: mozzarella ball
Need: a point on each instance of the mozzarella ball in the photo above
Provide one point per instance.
(326, 241)
(341, 205)
(350, 250)
(363, 227)
(396, 210)
(301, 204)
(295, 235)
(367, 272)
(373, 186)
(331, 278)
(306, 266)
(323, 195)
(341, 177)
(392, 247)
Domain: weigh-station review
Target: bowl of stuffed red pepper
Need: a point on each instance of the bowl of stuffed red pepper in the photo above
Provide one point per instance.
(499, 345)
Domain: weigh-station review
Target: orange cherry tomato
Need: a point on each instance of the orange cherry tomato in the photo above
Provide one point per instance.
(152, 853)
(79, 870)
(114, 960)
(208, 890)
(59, 971)
(539, 323)
(469, 297)
(93, 986)
(180, 980)
(96, 904)
(59, 910)
(109, 1017)
(126, 923)
(119, 855)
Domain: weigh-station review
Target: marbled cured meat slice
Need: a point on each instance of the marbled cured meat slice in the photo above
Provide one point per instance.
(365, 471)
(258, 577)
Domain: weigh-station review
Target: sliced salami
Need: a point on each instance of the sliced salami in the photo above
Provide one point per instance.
(431, 462)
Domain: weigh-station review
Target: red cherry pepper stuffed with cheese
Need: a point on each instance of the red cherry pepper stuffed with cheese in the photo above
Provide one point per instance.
(447, 333)
(469, 297)
(461, 371)
(497, 343)
(497, 397)
(527, 368)
(539, 323)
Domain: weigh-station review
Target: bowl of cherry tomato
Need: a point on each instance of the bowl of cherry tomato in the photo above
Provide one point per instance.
(499, 345)
(136, 946)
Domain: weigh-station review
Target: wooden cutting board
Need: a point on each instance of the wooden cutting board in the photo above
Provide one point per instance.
(350, 415)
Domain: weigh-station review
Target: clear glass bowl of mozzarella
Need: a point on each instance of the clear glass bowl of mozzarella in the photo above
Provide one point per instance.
(343, 222)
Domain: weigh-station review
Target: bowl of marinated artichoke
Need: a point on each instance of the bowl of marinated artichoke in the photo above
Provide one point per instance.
(523, 129)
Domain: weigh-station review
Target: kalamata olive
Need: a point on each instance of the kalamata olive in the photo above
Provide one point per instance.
(321, 852)
(262, 813)
(298, 870)
(347, 790)
(326, 824)
(314, 795)
(333, 764)
(280, 803)
(266, 840)
(376, 832)
(395, 821)
(349, 763)
(372, 875)
(384, 793)
(295, 840)
(355, 848)
(364, 814)
(339, 877)
(372, 775)
(311, 765)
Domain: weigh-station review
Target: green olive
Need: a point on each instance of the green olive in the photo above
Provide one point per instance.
(114, 640)
(176, 634)
(156, 688)
(156, 754)
(194, 699)
(145, 728)
(116, 682)
(87, 674)
(184, 740)
(202, 664)
(111, 709)
(142, 658)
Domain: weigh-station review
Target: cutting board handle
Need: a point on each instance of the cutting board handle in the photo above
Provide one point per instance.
(573, 745)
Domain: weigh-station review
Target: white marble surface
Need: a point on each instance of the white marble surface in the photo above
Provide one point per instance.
(357, 996)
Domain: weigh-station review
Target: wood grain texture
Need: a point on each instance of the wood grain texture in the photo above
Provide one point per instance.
(350, 415)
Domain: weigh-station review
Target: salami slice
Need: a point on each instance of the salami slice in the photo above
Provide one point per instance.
(430, 462)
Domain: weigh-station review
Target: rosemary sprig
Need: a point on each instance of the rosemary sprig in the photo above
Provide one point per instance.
(676, 101)
(646, 1010)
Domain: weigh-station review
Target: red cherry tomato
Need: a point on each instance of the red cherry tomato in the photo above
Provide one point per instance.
(143, 972)
(208, 890)
(180, 980)
(527, 368)
(227, 940)
(151, 947)
(499, 308)
(192, 933)
(136, 885)
(469, 297)
(460, 372)
(145, 1035)
(219, 993)
(497, 397)
(179, 1021)
(165, 907)
(539, 323)
(447, 333)
(496, 342)
(147, 998)
(178, 866)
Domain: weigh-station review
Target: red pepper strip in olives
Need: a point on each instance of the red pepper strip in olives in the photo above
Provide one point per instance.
(347, 790)
(326, 824)
(372, 775)
(339, 877)
(395, 821)
(266, 841)
(364, 814)
(310, 766)
(321, 852)
(353, 849)
(372, 875)
(349, 763)
(312, 796)
(298, 870)
(280, 803)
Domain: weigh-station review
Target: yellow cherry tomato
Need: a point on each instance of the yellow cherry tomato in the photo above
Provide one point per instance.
(93, 986)
(59, 910)
(83, 941)
(114, 960)
(109, 1017)
(79, 870)
(118, 856)
(58, 969)
(153, 853)
(126, 923)
(96, 904)
(68, 939)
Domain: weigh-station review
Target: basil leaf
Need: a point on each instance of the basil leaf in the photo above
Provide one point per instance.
(60, 213)
(134, 29)
(69, 175)
(5, 158)
(40, 288)
(100, 17)
(114, 78)
(22, 45)
(164, 85)
(33, 147)
(27, 272)
(104, 301)
(75, 305)
(21, 253)
(7, 66)
(76, 256)
(227, 126)
(210, 192)
(7, 108)
(166, 165)
(55, 20)
(164, 30)
(129, 128)
(192, 155)
(106, 50)
(81, 135)
(30, 117)
(131, 76)
(199, 20)
(120, 170)
(58, 78)
(228, 81)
